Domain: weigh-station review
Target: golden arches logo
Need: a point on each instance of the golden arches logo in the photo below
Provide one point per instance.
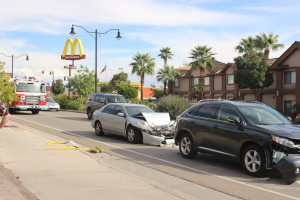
(73, 45)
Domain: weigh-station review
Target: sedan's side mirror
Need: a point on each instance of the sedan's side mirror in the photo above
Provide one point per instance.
(234, 119)
(289, 118)
(121, 114)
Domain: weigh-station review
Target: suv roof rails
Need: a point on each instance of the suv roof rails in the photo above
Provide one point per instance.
(251, 101)
(207, 100)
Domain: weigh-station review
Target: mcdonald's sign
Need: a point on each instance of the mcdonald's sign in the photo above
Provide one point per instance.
(73, 55)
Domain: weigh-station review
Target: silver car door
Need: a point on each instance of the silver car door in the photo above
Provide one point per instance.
(105, 118)
(118, 122)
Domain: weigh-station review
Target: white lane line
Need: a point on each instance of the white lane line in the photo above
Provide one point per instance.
(169, 162)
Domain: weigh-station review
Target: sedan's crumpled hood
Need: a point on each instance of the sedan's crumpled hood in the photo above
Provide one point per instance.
(157, 119)
(288, 131)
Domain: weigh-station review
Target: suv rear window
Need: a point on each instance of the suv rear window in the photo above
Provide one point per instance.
(207, 111)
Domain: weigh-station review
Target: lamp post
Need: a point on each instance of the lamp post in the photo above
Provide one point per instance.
(12, 61)
(96, 41)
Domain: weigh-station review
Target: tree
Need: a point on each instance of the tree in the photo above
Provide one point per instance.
(267, 42)
(108, 88)
(198, 89)
(118, 78)
(247, 46)
(128, 92)
(82, 84)
(142, 64)
(166, 75)
(58, 87)
(202, 58)
(252, 72)
(7, 94)
(165, 54)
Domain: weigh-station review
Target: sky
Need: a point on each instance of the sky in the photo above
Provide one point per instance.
(40, 29)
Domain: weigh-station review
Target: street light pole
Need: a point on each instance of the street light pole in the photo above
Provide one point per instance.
(96, 46)
(12, 61)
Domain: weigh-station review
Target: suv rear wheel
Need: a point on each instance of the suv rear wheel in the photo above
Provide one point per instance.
(186, 146)
(89, 113)
(253, 161)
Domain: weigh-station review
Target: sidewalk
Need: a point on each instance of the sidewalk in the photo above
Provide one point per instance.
(63, 174)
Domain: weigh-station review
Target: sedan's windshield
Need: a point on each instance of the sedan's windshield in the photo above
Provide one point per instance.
(50, 100)
(134, 110)
(263, 115)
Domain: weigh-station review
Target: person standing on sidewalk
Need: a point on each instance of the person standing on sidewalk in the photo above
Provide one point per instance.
(5, 115)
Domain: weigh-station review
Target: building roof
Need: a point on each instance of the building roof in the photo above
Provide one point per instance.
(278, 63)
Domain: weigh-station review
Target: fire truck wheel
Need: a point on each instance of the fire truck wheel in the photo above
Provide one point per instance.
(35, 112)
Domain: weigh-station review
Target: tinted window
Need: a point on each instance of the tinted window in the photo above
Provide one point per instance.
(115, 99)
(207, 111)
(226, 111)
(97, 98)
(91, 97)
(263, 115)
(109, 109)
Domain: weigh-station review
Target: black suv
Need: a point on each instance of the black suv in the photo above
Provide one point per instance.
(255, 134)
(97, 100)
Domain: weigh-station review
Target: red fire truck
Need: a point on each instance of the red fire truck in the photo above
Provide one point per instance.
(31, 96)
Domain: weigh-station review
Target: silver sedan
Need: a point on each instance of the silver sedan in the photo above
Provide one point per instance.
(138, 123)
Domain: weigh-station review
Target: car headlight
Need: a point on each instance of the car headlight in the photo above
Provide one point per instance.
(283, 141)
(143, 126)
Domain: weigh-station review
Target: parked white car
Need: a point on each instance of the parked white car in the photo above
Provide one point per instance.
(52, 105)
(138, 123)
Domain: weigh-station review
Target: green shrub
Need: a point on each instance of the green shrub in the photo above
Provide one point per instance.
(157, 93)
(74, 105)
(128, 92)
(297, 119)
(172, 104)
(62, 100)
(147, 103)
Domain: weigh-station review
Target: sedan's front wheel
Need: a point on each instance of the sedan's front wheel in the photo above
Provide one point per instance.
(133, 135)
(253, 161)
(186, 146)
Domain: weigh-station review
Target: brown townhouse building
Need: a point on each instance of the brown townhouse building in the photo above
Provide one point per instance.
(219, 82)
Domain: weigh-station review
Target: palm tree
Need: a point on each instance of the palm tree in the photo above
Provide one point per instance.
(266, 43)
(202, 58)
(165, 54)
(247, 46)
(166, 75)
(142, 64)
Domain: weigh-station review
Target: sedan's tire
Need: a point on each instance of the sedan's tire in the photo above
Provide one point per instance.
(98, 129)
(254, 161)
(186, 146)
(133, 135)
(89, 114)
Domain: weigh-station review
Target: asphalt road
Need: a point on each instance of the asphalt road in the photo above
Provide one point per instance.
(211, 171)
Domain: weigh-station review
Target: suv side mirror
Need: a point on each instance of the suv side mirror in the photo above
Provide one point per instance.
(234, 119)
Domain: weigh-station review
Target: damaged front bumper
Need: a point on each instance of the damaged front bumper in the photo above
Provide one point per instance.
(156, 140)
(289, 168)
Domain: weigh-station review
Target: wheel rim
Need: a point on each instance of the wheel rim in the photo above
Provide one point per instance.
(130, 135)
(252, 161)
(185, 145)
(98, 128)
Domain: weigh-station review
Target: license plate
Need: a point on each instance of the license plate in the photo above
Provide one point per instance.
(34, 106)
(170, 141)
